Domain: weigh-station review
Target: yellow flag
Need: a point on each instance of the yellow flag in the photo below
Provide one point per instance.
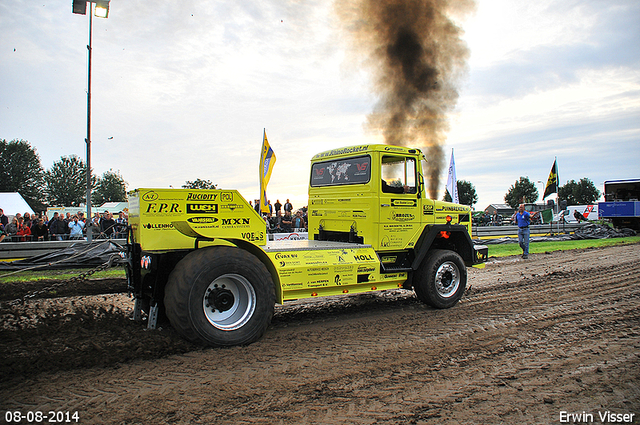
(267, 161)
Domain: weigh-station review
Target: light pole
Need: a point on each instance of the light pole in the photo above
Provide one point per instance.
(101, 10)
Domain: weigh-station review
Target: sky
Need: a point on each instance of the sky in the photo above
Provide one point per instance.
(183, 91)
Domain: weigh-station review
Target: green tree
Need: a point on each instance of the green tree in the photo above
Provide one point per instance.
(523, 190)
(111, 187)
(466, 193)
(21, 171)
(579, 193)
(199, 184)
(66, 182)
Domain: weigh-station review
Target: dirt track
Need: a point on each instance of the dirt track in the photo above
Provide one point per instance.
(559, 332)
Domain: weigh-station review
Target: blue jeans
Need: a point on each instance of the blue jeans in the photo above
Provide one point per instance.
(523, 240)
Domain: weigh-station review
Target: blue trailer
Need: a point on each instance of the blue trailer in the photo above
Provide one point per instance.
(622, 205)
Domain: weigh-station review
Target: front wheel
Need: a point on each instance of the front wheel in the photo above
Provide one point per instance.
(441, 279)
(220, 296)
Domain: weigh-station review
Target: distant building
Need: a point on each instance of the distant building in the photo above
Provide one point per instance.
(502, 209)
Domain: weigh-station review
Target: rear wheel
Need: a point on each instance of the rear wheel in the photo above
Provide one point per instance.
(441, 279)
(220, 296)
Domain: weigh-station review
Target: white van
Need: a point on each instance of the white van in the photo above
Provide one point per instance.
(588, 212)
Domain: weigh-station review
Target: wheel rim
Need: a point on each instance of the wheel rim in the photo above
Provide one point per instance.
(229, 302)
(447, 279)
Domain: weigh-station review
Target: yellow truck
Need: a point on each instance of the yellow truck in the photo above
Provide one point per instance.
(202, 258)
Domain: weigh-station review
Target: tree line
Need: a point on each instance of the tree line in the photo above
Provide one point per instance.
(64, 184)
(582, 192)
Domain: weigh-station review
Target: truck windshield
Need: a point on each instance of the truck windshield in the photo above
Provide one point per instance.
(342, 171)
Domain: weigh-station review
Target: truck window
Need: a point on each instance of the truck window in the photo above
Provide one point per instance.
(341, 172)
(398, 173)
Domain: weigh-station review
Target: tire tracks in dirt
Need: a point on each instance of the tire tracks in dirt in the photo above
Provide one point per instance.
(518, 349)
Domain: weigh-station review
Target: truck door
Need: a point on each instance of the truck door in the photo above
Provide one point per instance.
(400, 205)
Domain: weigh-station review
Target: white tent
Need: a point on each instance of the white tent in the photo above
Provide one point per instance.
(113, 207)
(12, 203)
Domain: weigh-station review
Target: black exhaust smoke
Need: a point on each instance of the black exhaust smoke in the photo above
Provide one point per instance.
(417, 57)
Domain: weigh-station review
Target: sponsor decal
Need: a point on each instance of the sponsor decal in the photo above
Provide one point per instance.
(342, 151)
(290, 236)
(231, 207)
(366, 269)
(150, 196)
(281, 255)
(201, 196)
(158, 226)
(235, 221)
(453, 208)
(252, 236)
(145, 262)
(363, 257)
(202, 208)
(318, 283)
(226, 196)
(158, 208)
(402, 216)
(202, 220)
(404, 202)
(427, 209)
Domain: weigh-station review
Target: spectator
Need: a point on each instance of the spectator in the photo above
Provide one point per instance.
(107, 225)
(82, 219)
(272, 223)
(3, 234)
(4, 220)
(270, 207)
(58, 228)
(277, 206)
(75, 228)
(23, 231)
(39, 231)
(298, 222)
(288, 207)
(286, 221)
(278, 222)
(11, 229)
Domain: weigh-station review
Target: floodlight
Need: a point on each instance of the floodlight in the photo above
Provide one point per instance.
(80, 7)
(102, 8)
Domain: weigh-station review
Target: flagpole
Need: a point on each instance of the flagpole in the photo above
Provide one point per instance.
(555, 161)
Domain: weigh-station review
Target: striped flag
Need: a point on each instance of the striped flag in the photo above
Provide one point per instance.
(267, 161)
(452, 182)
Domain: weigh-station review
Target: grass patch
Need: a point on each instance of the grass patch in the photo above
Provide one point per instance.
(504, 250)
(36, 275)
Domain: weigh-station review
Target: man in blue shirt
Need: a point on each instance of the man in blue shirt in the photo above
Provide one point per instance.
(523, 219)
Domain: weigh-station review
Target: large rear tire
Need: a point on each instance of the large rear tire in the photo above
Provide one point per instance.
(220, 296)
(441, 279)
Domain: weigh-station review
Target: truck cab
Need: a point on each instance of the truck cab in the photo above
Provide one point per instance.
(375, 195)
